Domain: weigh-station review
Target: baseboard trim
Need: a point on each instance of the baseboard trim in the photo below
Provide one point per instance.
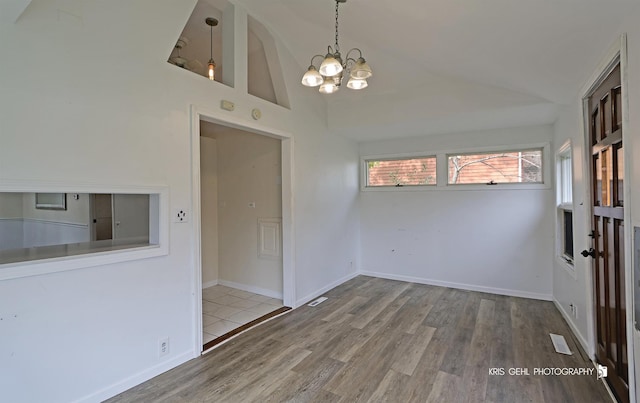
(573, 328)
(470, 287)
(209, 284)
(324, 289)
(138, 378)
(250, 288)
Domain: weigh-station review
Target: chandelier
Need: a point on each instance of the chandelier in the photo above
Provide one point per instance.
(333, 69)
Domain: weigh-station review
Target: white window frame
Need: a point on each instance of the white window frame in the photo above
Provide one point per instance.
(159, 243)
(541, 149)
(564, 203)
(442, 170)
(364, 177)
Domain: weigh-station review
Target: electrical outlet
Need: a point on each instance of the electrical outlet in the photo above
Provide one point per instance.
(180, 215)
(163, 347)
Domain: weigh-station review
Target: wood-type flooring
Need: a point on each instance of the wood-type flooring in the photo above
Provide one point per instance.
(381, 340)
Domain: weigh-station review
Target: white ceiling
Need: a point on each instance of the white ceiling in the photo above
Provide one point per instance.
(451, 65)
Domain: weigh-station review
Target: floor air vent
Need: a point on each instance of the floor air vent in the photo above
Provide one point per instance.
(317, 301)
(560, 344)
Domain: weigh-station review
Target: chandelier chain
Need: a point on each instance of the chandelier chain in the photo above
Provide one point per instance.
(337, 46)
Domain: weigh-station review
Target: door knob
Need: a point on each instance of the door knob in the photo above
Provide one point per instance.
(591, 252)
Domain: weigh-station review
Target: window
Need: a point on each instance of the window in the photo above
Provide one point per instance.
(565, 204)
(415, 171)
(519, 166)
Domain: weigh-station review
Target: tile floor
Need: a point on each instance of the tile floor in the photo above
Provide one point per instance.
(225, 308)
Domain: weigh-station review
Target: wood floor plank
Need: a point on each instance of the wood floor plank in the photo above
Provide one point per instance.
(345, 351)
(446, 388)
(374, 309)
(412, 349)
(392, 386)
(380, 340)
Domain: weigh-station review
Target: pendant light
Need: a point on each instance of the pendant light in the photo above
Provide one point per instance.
(211, 22)
(332, 68)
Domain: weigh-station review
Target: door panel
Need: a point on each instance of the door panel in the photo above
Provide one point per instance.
(608, 224)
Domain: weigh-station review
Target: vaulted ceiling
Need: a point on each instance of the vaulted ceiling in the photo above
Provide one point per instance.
(451, 65)
(443, 65)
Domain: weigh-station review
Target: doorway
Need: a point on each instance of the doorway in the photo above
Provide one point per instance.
(608, 231)
(102, 220)
(242, 227)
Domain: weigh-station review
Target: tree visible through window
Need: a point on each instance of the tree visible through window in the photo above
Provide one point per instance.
(401, 172)
(492, 168)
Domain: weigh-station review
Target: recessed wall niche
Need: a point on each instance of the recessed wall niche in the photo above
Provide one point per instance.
(200, 42)
(264, 74)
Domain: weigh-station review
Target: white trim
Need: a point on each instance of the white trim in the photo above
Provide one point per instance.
(61, 223)
(569, 268)
(65, 224)
(216, 116)
(565, 149)
(315, 294)
(137, 379)
(461, 286)
(209, 284)
(251, 288)
(572, 326)
(617, 53)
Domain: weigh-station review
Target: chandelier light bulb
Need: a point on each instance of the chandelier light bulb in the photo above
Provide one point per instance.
(312, 78)
(328, 87)
(330, 66)
(357, 83)
(361, 70)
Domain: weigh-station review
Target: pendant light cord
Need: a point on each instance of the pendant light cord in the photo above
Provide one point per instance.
(211, 42)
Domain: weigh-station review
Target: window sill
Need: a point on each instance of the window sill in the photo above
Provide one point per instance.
(408, 188)
(567, 266)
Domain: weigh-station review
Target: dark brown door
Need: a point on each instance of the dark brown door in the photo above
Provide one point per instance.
(608, 235)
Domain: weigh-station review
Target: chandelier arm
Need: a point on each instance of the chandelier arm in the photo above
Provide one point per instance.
(352, 50)
(313, 58)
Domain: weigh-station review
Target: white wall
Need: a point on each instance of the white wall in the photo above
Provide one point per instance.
(209, 209)
(573, 286)
(249, 171)
(496, 240)
(10, 205)
(110, 111)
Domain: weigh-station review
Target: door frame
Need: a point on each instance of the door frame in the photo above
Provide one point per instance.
(288, 261)
(616, 54)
